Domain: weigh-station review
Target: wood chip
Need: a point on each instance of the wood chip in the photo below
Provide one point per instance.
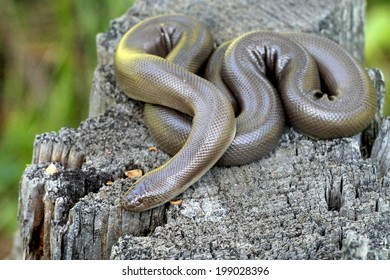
(153, 149)
(134, 173)
(109, 183)
(176, 202)
(51, 169)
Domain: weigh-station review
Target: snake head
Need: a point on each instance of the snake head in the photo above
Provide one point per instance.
(134, 199)
(143, 195)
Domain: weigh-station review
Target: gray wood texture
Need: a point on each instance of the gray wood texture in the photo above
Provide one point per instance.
(305, 200)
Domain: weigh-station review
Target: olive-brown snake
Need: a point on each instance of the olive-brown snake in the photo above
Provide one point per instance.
(257, 77)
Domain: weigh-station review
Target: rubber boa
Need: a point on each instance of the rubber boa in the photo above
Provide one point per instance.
(266, 76)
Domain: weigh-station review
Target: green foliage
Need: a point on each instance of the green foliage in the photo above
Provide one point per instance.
(47, 55)
(378, 40)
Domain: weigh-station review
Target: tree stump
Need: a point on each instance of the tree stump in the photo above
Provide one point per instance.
(305, 200)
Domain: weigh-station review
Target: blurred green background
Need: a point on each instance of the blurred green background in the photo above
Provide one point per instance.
(47, 59)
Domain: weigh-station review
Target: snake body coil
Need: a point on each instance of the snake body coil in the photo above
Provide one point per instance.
(256, 77)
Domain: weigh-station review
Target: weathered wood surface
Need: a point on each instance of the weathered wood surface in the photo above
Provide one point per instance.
(305, 200)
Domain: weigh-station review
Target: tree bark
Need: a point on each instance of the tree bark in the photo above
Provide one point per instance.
(305, 200)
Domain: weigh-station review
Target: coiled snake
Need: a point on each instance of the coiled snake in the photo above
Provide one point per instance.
(236, 113)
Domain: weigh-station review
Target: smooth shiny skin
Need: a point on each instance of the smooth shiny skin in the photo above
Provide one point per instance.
(145, 71)
(346, 106)
(259, 73)
(244, 66)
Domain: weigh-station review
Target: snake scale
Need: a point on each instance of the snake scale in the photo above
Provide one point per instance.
(234, 113)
